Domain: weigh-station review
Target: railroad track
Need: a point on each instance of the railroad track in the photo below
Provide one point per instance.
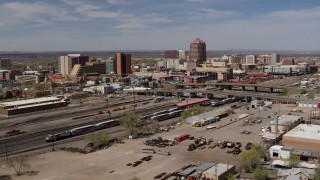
(30, 141)
(42, 119)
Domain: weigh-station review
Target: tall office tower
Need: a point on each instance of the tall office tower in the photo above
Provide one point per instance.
(109, 65)
(171, 54)
(275, 58)
(182, 54)
(122, 63)
(251, 59)
(198, 53)
(66, 63)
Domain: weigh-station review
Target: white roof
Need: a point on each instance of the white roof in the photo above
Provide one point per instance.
(29, 101)
(288, 119)
(307, 131)
(278, 147)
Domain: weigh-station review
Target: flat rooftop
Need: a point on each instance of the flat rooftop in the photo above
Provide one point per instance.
(29, 101)
(288, 119)
(306, 131)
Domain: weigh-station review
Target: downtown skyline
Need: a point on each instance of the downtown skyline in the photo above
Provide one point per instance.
(158, 25)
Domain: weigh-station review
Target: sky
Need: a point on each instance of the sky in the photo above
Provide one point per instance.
(102, 25)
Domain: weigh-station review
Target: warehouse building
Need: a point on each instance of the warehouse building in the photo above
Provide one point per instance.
(210, 117)
(31, 105)
(304, 136)
(286, 123)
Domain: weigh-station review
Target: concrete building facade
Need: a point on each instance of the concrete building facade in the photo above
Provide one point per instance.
(66, 63)
(198, 52)
(122, 63)
(304, 136)
(171, 54)
(251, 59)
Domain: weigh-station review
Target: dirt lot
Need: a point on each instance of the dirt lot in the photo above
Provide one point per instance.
(111, 163)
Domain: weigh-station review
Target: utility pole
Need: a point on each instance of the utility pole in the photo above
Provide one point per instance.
(134, 100)
(6, 152)
(276, 130)
(53, 146)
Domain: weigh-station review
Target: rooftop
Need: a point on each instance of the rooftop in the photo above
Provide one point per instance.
(207, 115)
(288, 119)
(192, 101)
(197, 41)
(29, 101)
(306, 131)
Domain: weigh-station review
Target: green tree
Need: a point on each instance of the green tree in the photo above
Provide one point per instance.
(192, 112)
(39, 86)
(294, 160)
(303, 91)
(132, 123)
(18, 163)
(98, 139)
(260, 149)
(311, 96)
(9, 95)
(251, 158)
(230, 176)
(260, 174)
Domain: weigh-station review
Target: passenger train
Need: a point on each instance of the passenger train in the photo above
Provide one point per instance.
(82, 130)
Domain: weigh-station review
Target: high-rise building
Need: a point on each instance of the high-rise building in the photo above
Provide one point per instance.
(109, 65)
(275, 58)
(182, 54)
(66, 63)
(198, 53)
(171, 54)
(122, 64)
(251, 59)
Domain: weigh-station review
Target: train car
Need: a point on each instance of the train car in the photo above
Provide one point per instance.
(82, 130)
(160, 117)
(107, 124)
(175, 113)
(58, 136)
(160, 112)
(146, 117)
(173, 109)
(158, 99)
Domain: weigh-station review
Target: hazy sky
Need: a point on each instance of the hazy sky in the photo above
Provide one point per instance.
(41, 25)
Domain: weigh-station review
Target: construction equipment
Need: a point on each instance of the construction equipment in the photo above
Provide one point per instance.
(99, 112)
(197, 124)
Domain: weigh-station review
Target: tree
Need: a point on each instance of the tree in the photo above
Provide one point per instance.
(303, 91)
(260, 174)
(293, 160)
(132, 123)
(18, 163)
(9, 95)
(251, 158)
(192, 112)
(98, 139)
(150, 126)
(230, 176)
